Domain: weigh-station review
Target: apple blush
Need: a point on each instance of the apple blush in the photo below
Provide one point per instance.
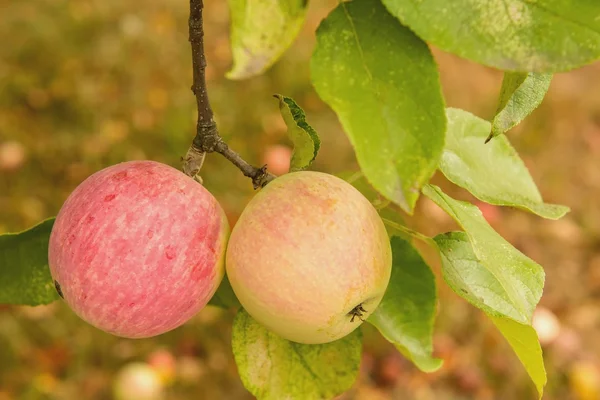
(138, 248)
(309, 258)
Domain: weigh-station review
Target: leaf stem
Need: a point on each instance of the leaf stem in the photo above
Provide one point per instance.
(208, 139)
(410, 232)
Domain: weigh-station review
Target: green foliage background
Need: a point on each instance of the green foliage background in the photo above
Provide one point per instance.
(87, 83)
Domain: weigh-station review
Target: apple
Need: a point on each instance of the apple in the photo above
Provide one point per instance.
(164, 363)
(309, 257)
(546, 324)
(138, 381)
(584, 379)
(138, 248)
(490, 212)
(277, 158)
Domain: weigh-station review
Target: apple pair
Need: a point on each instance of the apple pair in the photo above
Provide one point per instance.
(139, 248)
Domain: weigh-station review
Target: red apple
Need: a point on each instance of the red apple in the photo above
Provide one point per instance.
(138, 249)
(164, 363)
(309, 257)
(490, 212)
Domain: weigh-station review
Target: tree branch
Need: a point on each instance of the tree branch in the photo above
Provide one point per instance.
(207, 139)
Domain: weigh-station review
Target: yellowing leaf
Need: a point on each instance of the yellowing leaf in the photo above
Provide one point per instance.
(524, 341)
(261, 30)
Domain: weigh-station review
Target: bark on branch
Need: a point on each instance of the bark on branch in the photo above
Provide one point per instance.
(208, 139)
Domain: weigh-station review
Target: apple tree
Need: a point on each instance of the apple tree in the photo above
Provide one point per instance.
(140, 247)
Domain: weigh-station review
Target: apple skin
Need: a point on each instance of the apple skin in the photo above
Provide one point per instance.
(138, 248)
(306, 251)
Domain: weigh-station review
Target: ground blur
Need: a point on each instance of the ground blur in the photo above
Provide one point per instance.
(87, 83)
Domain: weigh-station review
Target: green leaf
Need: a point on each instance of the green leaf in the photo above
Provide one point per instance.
(512, 35)
(521, 93)
(24, 273)
(406, 314)
(521, 278)
(305, 139)
(382, 82)
(274, 368)
(261, 30)
(475, 282)
(524, 341)
(492, 172)
(224, 297)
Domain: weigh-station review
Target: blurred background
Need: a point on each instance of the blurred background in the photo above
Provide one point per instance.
(89, 83)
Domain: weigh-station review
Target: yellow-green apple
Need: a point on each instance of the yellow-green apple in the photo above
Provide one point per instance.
(138, 248)
(309, 257)
(138, 381)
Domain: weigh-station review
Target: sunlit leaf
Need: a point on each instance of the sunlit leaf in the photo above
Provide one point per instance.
(473, 280)
(524, 341)
(492, 172)
(513, 35)
(481, 286)
(520, 278)
(521, 93)
(383, 84)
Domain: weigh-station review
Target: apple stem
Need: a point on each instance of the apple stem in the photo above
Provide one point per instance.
(208, 139)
